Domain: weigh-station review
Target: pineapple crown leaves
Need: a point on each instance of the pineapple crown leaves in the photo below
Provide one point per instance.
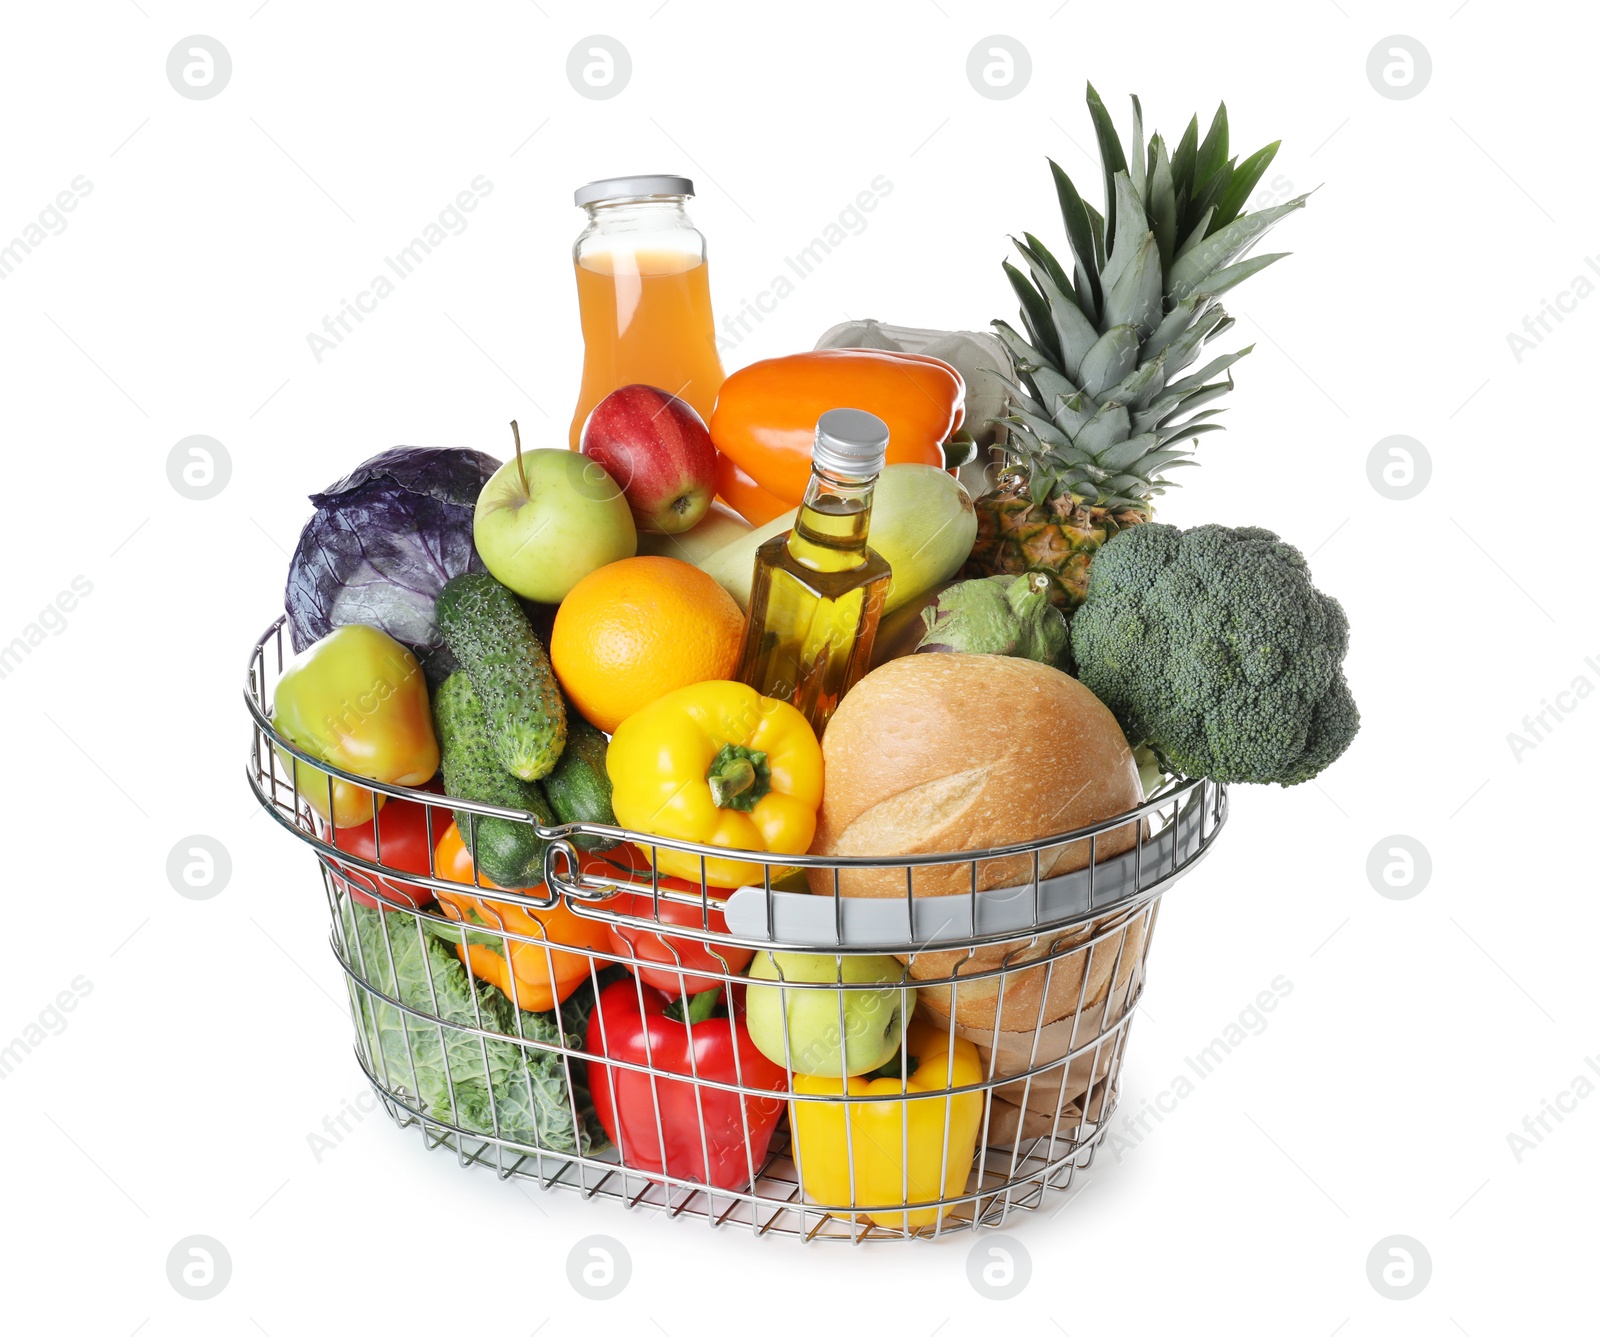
(1095, 411)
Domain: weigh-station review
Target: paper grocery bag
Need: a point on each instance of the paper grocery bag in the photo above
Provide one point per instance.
(1060, 1095)
(1047, 978)
(1007, 1120)
(1005, 1053)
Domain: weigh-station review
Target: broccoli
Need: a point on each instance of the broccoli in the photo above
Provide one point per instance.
(1213, 646)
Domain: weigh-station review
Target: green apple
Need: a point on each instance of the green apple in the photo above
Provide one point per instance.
(872, 1018)
(546, 519)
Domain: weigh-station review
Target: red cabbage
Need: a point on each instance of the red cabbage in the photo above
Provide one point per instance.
(382, 544)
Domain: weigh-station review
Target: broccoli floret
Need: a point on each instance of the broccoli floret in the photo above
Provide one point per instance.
(1212, 646)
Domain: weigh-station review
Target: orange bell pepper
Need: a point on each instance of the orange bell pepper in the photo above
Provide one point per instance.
(737, 489)
(766, 415)
(532, 975)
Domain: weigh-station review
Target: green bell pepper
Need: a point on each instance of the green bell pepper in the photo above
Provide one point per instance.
(356, 700)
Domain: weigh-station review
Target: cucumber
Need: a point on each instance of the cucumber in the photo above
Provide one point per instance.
(508, 853)
(491, 636)
(579, 789)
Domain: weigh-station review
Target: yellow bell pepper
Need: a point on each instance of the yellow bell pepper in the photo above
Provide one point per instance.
(896, 1147)
(718, 764)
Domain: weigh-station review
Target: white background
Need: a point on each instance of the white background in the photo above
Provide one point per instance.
(1418, 1033)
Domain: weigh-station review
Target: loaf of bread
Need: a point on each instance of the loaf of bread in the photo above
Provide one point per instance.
(946, 753)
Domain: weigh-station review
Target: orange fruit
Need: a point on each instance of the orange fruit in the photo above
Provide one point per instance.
(634, 630)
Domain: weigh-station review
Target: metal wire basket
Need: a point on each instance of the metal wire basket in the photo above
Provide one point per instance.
(479, 1016)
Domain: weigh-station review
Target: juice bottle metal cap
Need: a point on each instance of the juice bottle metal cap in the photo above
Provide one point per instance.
(851, 444)
(631, 187)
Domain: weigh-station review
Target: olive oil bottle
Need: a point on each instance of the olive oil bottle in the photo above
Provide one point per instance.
(819, 590)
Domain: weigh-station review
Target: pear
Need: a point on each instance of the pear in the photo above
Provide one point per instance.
(868, 1021)
(923, 525)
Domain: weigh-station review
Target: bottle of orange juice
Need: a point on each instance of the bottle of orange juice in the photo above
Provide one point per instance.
(643, 295)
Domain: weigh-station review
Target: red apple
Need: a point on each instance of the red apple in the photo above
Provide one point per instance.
(658, 449)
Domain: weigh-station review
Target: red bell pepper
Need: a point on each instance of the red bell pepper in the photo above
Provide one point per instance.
(403, 835)
(680, 1042)
(666, 960)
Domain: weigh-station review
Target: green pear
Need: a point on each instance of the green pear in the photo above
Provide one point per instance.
(871, 1019)
(923, 525)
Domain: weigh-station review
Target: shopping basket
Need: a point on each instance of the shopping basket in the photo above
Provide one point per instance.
(1019, 994)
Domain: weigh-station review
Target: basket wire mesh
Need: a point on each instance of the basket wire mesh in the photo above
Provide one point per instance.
(1029, 989)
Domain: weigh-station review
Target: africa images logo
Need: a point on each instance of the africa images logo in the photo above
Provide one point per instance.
(50, 1021)
(1536, 328)
(50, 222)
(51, 619)
(451, 221)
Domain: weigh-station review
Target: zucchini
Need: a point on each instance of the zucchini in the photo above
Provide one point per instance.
(579, 789)
(487, 631)
(733, 566)
(508, 853)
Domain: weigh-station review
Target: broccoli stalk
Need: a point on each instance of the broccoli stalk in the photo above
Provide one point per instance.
(1213, 646)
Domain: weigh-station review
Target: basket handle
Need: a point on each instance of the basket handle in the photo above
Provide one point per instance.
(896, 922)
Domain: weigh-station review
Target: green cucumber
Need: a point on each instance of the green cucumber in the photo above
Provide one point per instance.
(579, 789)
(508, 853)
(487, 631)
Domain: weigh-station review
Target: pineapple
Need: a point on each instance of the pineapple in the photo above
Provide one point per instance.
(1100, 415)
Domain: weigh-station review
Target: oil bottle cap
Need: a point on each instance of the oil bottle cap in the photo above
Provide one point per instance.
(851, 444)
(631, 187)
